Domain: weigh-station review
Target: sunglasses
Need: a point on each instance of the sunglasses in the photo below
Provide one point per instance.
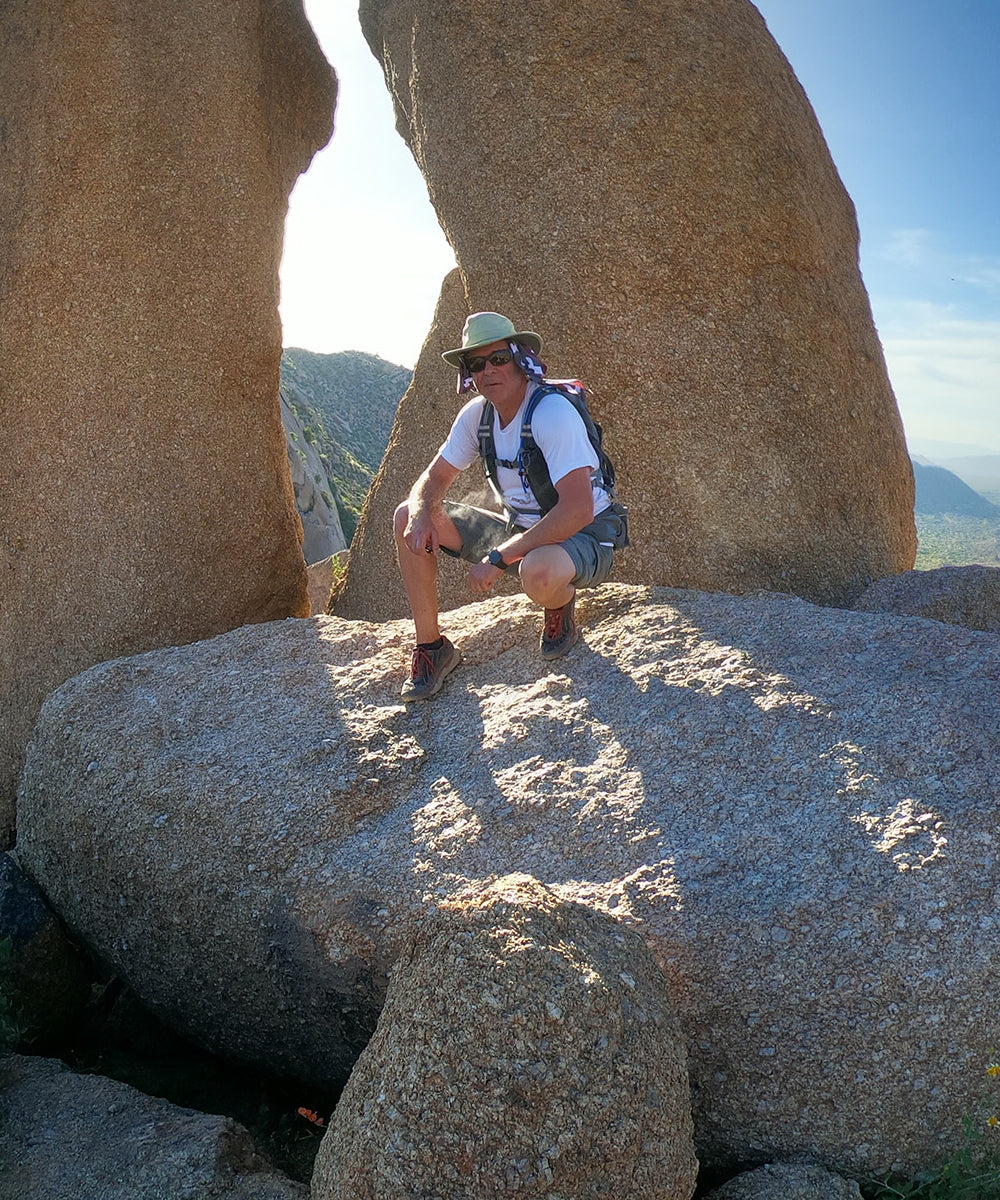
(499, 358)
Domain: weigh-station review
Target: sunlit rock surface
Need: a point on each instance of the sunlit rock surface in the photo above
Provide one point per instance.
(794, 806)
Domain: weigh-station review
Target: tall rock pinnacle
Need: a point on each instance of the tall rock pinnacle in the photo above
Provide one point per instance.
(647, 186)
(145, 498)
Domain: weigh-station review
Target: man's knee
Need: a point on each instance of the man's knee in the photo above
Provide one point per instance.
(545, 568)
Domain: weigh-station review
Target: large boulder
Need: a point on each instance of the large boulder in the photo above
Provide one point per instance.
(65, 1136)
(526, 1047)
(649, 189)
(959, 595)
(145, 496)
(794, 805)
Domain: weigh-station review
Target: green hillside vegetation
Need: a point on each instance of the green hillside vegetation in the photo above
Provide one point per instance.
(347, 403)
(956, 525)
(951, 540)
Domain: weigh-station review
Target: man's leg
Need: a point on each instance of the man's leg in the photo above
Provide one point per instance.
(551, 576)
(547, 575)
(420, 573)
(434, 657)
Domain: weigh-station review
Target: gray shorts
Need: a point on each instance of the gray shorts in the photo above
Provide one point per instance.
(592, 550)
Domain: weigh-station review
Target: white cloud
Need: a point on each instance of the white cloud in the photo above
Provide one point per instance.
(945, 370)
(943, 349)
(920, 251)
(911, 247)
(980, 272)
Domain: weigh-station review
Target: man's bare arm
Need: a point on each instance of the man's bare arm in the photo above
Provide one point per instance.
(573, 511)
(425, 503)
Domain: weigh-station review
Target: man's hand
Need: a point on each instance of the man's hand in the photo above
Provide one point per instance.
(423, 505)
(420, 536)
(482, 577)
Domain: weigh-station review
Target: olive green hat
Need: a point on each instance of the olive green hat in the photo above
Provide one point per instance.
(484, 328)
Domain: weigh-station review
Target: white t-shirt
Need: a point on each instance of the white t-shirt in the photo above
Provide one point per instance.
(557, 428)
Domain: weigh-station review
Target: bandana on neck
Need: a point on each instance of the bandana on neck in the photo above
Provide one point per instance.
(528, 361)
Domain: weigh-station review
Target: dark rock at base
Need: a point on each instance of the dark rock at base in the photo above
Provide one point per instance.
(65, 1136)
(787, 1181)
(46, 979)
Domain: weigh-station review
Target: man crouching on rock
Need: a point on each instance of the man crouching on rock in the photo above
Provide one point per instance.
(562, 526)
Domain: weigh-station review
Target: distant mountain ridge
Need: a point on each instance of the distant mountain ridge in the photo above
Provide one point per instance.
(348, 402)
(956, 526)
(976, 465)
(941, 491)
(981, 472)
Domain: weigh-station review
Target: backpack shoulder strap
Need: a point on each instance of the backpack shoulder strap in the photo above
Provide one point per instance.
(531, 462)
(540, 392)
(485, 431)
(487, 444)
(576, 393)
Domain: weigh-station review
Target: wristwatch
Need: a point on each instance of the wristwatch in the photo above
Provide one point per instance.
(495, 559)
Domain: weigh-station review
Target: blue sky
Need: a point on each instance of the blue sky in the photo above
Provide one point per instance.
(906, 93)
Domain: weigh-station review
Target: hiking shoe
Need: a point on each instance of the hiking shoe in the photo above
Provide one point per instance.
(428, 670)
(559, 633)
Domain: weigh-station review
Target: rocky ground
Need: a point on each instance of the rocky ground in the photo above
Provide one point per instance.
(792, 806)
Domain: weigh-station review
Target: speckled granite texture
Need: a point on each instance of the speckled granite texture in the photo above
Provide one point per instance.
(65, 1136)
(795, 807)
(967, 596)
(526, 1048)
(145, 496)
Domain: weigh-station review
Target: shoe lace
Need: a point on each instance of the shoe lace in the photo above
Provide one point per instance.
(422, 666)
(554, 622)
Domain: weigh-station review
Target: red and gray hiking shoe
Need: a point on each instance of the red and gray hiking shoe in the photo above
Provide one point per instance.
(559, 633)
(428, 670)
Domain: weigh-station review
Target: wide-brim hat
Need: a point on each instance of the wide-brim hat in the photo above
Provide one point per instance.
(484, 328)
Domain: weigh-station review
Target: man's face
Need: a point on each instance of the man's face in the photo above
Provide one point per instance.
(503, 386)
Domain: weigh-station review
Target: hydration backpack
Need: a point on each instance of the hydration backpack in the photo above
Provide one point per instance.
(530, 463)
